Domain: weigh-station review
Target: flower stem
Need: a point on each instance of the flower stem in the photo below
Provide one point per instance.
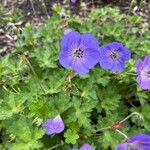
(121, 133)
(71, 75)
(6, 89)
(106, 128)
(120, 122)
(132, 114)
(130, 73)
(55, 146)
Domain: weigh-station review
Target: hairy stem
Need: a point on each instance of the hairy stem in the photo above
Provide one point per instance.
(131, 73)
(58, 145)
(121, 133)
(132, 114)
(106, 128)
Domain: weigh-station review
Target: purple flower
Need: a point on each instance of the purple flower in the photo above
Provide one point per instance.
(73, 1)
(54, 126)
(136, 142)
(67, 31)
(113, 56)
(85, 147)
(143, 71)
(80, 52)
(74, 148)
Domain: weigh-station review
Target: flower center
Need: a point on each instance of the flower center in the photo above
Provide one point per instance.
(146, 73)
(114, 55)
(78, 53)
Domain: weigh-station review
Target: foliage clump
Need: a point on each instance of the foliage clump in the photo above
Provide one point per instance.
(35, 87)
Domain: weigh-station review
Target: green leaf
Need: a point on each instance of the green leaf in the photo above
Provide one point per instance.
(26, 134)
(13, 104)
(71, 136)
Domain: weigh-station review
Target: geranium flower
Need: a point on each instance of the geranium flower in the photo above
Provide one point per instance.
(136, 142)
(74, 148)
(85, 147)
(74, 1)
(67, 31)
(113, 56)
(54, 126)
(143, 71)
(80, 52)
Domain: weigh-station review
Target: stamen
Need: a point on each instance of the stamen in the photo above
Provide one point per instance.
(78, 53)
(114, 55)
(146, 73)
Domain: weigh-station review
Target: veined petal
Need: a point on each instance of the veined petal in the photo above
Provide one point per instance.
(106, 64)
(91, 58)
(122, 146)
(58, 124)
(136, 142)
(126, 54)
(86, 147)
(143, 141)
(78, 67)
(64, 57)
(48, 126)
(88, 41)
(141, 137)
(146, 62)
(118, 66)
(104, 51)
(144, 82)
(70, 39)
(139, 65)
(116, 45)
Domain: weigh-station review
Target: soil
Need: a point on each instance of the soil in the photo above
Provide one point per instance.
(40, 9)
